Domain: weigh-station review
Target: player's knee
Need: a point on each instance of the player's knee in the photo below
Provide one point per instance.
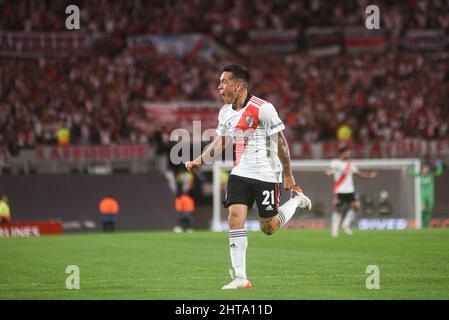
(267, 228)
(234, 220)
(267, 231)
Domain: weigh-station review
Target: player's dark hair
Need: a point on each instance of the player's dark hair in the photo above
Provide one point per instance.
(343, 149)
(237, 71)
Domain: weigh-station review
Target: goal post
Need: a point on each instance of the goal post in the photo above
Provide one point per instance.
(309, 174)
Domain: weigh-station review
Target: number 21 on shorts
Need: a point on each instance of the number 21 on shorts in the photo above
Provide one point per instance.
(268, 194)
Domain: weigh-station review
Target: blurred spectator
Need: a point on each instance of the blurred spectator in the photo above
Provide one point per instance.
(368, 206)
(184, 180)
(5, 212)
(384, 208)
(185, 207)
(109, 209)
(185, 203)
(224, 177)
(63, 136)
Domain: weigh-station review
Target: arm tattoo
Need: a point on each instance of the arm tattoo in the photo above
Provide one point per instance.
(284, 154)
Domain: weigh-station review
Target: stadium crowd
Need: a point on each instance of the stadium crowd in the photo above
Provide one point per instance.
(228, 19)
(381, 96)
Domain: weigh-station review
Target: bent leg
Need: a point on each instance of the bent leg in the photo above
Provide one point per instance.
(350, 215)
(270, 225)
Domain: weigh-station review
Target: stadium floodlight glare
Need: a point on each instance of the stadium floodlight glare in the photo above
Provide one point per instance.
(408, 187)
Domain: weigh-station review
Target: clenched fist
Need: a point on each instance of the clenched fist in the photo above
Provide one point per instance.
(194, 165)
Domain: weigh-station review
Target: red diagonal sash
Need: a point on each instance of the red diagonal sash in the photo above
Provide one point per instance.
(343, 176)
(242, 126)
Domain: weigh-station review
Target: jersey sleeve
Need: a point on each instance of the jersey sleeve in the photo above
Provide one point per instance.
(334, 165)
(221, 128)
(354, 168)
(270, 119)
(439, 168)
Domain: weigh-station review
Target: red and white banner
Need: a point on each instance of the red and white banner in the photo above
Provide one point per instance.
(182, 114)
(360, 39)
(409, 148)
(113, 152)
(434, 39)
(323, 41)
(30, 229)
(31, 44)
(178, 45)
(274, 41)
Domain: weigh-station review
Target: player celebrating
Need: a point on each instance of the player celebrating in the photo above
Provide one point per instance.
(261, 156)
(344, 193)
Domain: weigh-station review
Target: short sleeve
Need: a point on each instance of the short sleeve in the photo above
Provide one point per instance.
(334, 164)
(354, 168)
(270, 119)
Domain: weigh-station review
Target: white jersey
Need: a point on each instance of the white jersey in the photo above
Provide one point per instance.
(253, 129)
(343, 171)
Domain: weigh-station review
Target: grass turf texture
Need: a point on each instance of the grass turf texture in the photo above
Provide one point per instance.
(292, 264)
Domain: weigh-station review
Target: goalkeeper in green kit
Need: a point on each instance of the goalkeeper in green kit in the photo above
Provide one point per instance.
(427, 178)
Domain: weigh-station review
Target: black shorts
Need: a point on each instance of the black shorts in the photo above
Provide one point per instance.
(242, 190)
(341, 199)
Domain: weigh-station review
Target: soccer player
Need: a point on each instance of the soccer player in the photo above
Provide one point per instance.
(344, 193)
(261, 158)
(427, 182)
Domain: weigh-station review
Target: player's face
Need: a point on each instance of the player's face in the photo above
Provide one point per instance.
(228, 87)
(425, 169)
(346, 155)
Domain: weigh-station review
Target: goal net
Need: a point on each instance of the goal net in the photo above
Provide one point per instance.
(389, 201)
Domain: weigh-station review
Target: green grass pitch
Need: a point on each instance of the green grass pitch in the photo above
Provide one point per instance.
(292, 264)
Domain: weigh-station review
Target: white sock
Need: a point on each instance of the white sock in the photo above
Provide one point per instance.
(238, 242)
(348, 219)
(335, 219)
(287, 210)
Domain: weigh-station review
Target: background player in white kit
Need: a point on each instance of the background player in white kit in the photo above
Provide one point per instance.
(261, 158)
(345, 197)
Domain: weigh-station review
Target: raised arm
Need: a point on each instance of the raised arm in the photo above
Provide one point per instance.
(439, 168)
(366, 174)
(212, 150)
(284, 156)
(411, 171)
